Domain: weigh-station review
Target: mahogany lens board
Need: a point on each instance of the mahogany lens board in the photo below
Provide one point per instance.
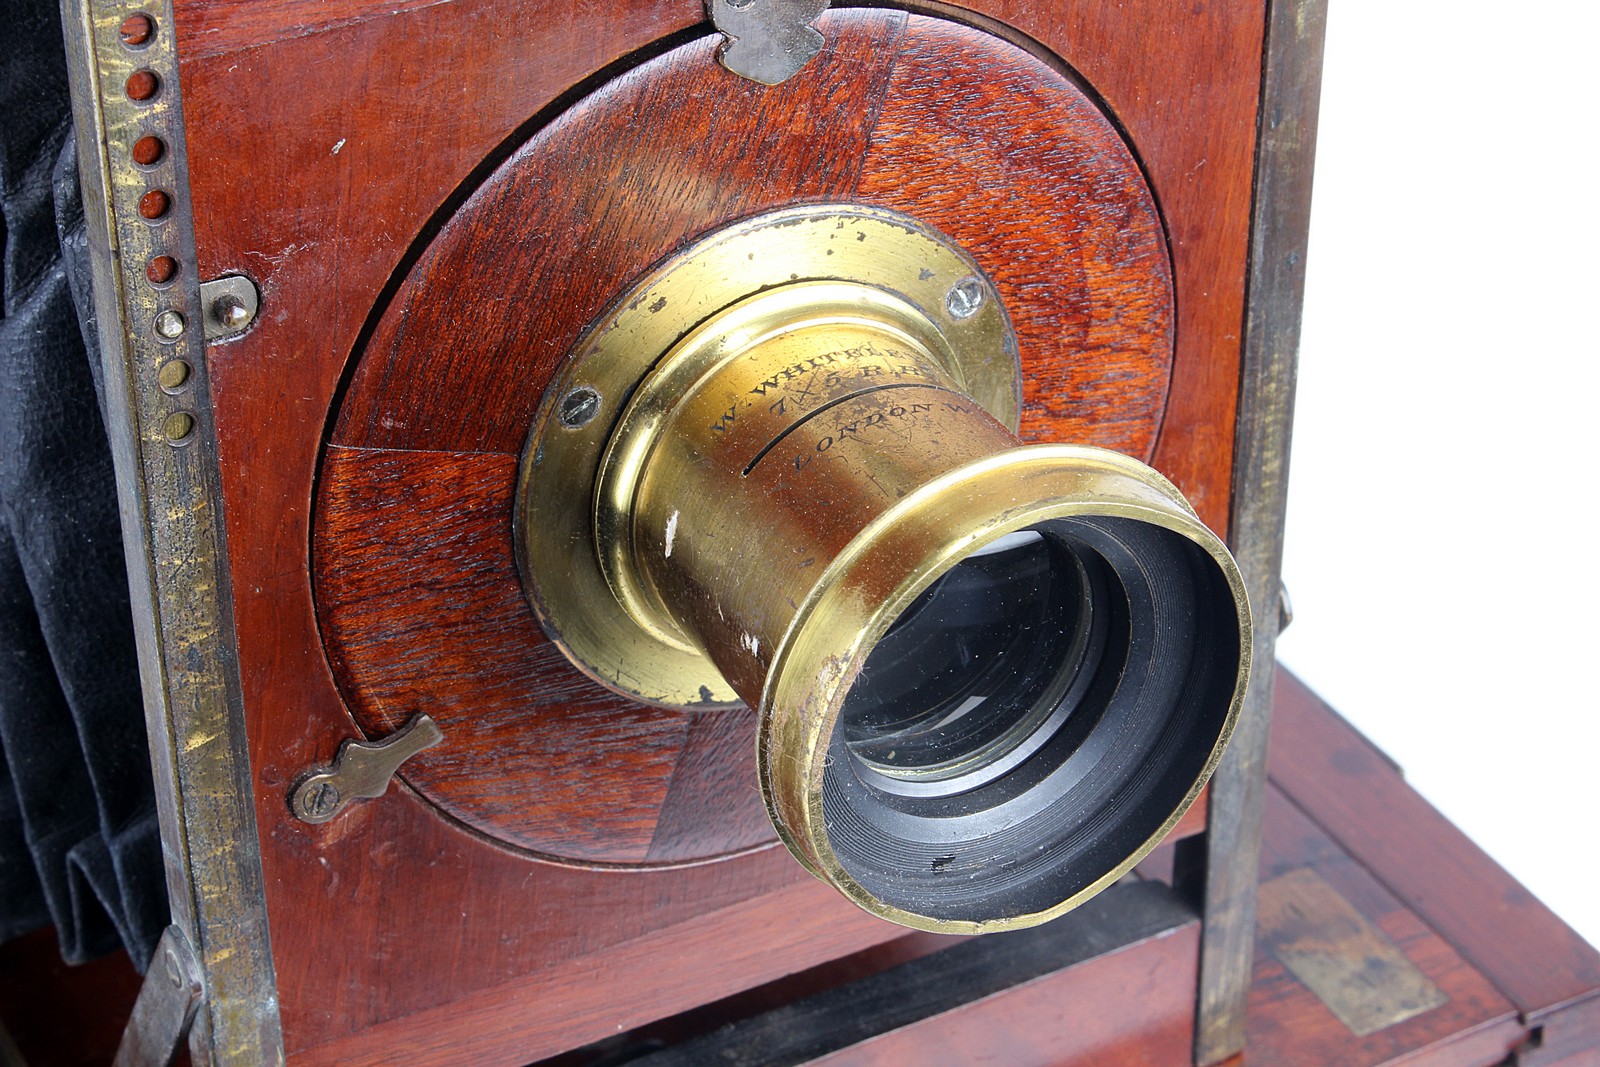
(417, 590)
(327, 142)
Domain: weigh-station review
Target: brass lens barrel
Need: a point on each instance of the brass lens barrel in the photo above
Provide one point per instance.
(989, 677)
(768, 440)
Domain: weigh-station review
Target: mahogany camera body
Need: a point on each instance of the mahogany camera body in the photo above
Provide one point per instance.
(415, 802)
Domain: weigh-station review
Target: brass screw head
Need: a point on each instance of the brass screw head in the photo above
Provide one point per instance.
(964, 299)
(320, 800)
(578, 407)
(170, 325)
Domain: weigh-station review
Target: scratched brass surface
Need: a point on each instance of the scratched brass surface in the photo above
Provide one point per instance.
(163, 443)
(1280, 218)
(880, 573)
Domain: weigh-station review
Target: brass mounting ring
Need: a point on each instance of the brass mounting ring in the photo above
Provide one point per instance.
(752, 278)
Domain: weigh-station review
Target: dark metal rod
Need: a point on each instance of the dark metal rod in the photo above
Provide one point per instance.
(1286, 142)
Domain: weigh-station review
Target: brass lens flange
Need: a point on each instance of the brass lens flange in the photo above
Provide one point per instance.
(873, 269)
(989, 677)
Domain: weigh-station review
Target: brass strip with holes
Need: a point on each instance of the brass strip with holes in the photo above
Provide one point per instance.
(129, 123)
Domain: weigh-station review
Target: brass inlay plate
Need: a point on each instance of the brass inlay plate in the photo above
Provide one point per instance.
(1357, 972)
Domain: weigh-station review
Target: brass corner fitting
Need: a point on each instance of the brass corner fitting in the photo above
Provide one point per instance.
(990, 677)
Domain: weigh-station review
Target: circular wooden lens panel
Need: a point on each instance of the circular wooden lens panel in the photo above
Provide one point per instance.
(418, 595)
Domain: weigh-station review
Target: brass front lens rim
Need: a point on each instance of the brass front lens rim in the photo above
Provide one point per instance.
(919, 539)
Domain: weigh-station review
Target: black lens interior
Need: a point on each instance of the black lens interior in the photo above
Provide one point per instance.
(1035, 717)
(974, 675)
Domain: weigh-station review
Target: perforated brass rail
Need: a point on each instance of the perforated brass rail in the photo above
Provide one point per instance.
(129, 125)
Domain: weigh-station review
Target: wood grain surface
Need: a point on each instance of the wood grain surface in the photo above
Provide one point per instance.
(1318, 762)
(1549, 973)
(326, 141)
(1433, 894)
(1125, 962)
(1288, 1023)
(949, 125)
(414, 551)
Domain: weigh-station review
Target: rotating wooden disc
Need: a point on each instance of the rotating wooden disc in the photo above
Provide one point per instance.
(418, 595)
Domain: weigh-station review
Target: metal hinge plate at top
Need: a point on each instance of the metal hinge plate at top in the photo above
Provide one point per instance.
(768, 40)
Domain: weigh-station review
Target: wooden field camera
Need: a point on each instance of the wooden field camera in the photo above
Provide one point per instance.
(566, 452)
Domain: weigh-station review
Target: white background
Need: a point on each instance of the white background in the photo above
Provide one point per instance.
(1442, 536)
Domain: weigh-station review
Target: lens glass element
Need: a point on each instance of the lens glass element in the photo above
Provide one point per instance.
(970, 678)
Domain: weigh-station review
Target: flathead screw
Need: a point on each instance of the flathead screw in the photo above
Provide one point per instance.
(320, 801)
(964, 298)
(578, 407)
(169, 325)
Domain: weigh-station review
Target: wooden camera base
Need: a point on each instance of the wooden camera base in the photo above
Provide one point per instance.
(1113, 982)
(1474, 971)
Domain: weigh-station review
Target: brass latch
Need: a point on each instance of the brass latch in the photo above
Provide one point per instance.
(361, 769)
